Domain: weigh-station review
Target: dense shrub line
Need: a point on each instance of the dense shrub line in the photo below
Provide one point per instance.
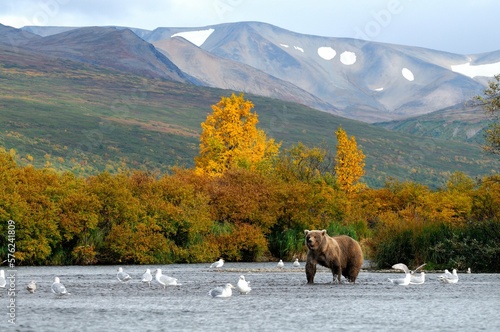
(243, 215)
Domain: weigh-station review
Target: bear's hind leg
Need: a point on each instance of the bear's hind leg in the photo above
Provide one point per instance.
(337, 274)
(352, 274)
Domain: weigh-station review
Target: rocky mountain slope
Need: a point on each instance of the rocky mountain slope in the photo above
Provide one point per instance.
(358, 79)
(362, 80)
(106, 47)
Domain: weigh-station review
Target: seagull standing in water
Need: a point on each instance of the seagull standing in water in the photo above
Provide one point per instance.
(414, 279)
(31, 287)
(449, 278)
(401, 281)
(281, 264)
(147, 277)
(296, 263)
(165, 280)
(243, 285)
(217, 264)
(122, 276)
(225, 291)
(58, 288)
(418, 279)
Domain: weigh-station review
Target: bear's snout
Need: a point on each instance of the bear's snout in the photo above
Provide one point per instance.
(310, 242)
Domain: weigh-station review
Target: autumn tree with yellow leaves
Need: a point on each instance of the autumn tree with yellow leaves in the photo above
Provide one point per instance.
(349, 163)
(230, 139)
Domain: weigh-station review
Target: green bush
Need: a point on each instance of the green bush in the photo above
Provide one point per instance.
(475, 245)
(287, 243)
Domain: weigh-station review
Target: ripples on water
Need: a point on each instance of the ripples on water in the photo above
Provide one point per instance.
(279, 301)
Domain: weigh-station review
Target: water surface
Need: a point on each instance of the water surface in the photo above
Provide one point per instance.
(280, 300)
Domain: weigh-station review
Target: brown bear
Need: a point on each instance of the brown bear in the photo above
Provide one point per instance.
(342, 254)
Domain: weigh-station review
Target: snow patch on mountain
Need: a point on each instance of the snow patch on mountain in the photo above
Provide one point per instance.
(326, 52)
(348, 58)
(407, 74)
(195, 37)
(487, 70)
(284, 45)
(298, 48)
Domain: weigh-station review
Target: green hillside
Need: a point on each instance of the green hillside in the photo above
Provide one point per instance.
(71, 116)
(459, 123)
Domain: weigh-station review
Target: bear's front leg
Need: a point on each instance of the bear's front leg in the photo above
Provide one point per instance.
(310, 272)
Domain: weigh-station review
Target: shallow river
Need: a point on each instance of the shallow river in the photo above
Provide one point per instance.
(280, 300)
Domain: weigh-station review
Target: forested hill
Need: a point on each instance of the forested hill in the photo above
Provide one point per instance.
(76, 116)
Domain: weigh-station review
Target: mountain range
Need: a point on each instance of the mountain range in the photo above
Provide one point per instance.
(362, 80)
(411, 100)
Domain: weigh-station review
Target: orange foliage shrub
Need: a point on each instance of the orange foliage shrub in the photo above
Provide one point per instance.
(242, 196)
(142, 244)
(245, 242)
(84, 255)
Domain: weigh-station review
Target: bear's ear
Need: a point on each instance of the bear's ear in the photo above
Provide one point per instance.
(306, 231)
(323, 232)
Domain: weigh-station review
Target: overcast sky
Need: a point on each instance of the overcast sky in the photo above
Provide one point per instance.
(457, 26)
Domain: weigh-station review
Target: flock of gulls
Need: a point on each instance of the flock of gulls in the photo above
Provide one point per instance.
(412, 278)
(243, 286)
(226, 291)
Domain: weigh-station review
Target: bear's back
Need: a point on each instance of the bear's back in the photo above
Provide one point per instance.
(350, 248)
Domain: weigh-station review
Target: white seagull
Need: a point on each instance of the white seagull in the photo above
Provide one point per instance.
(147, 277)
(225, 291)
(403, 267)
(445, 274)
(243, 285)
(296, 263)
(449, 278)
(414, 279)
(31, 287)
(165, 280)
(401, 281)
(58, 288)
(3, 282)
(122, 276)
(217, 264)
(418, 279)
(281, 264)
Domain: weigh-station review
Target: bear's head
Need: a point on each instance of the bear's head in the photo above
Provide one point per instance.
(314, 238)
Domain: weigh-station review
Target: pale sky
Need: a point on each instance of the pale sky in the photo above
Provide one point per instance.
(457, 26)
